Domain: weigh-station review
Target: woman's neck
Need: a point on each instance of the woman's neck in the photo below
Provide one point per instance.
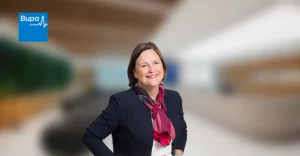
(152, 91)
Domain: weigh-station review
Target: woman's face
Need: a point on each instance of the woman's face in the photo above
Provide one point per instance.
(149, 69)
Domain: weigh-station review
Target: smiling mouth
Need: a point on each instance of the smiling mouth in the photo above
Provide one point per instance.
(152, 76)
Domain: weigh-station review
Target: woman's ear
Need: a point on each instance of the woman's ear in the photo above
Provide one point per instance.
(134, 73)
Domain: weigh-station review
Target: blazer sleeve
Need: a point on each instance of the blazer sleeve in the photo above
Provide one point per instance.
(180, 144)
(101, 127)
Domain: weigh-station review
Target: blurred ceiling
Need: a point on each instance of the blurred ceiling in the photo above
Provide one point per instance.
(271, 33)
(96, 26)
(195, 21)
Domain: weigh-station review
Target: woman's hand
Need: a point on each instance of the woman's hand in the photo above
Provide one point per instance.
(180, 152)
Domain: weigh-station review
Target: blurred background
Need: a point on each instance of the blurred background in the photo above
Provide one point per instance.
(236, 64)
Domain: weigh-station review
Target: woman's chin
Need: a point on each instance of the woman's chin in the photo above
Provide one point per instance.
(154, 84)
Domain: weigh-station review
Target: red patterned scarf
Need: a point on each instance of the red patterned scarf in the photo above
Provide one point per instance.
(163, 128)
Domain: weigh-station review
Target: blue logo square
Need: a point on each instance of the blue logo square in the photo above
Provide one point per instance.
(33, 27)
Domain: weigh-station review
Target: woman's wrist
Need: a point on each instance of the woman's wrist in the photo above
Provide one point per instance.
(178, 152)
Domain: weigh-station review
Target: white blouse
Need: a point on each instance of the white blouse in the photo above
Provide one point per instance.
(159, 150)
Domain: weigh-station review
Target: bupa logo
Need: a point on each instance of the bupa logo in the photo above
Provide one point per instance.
(33, 27)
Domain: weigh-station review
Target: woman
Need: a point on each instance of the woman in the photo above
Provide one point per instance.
(145, 120)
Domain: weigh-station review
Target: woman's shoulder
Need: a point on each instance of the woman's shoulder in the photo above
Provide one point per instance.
(123, 95)
(171, 92)
(174, 97)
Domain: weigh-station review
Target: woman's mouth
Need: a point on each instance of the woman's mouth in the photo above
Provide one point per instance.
(152, 76)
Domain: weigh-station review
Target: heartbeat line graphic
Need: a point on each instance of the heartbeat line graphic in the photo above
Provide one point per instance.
(42, 23)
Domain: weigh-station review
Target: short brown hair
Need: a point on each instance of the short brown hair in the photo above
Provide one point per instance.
(136, 53)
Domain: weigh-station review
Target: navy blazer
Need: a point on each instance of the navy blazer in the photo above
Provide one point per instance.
(129, 122)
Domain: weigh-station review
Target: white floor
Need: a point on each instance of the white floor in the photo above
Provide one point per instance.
(204, 139)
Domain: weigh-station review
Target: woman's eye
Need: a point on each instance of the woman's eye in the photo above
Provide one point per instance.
(156, 63)
(143, 65)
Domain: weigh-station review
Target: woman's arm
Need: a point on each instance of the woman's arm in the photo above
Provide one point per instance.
(100, 128)
(181, 142)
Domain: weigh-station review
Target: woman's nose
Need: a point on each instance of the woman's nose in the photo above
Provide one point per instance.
(151, 68)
